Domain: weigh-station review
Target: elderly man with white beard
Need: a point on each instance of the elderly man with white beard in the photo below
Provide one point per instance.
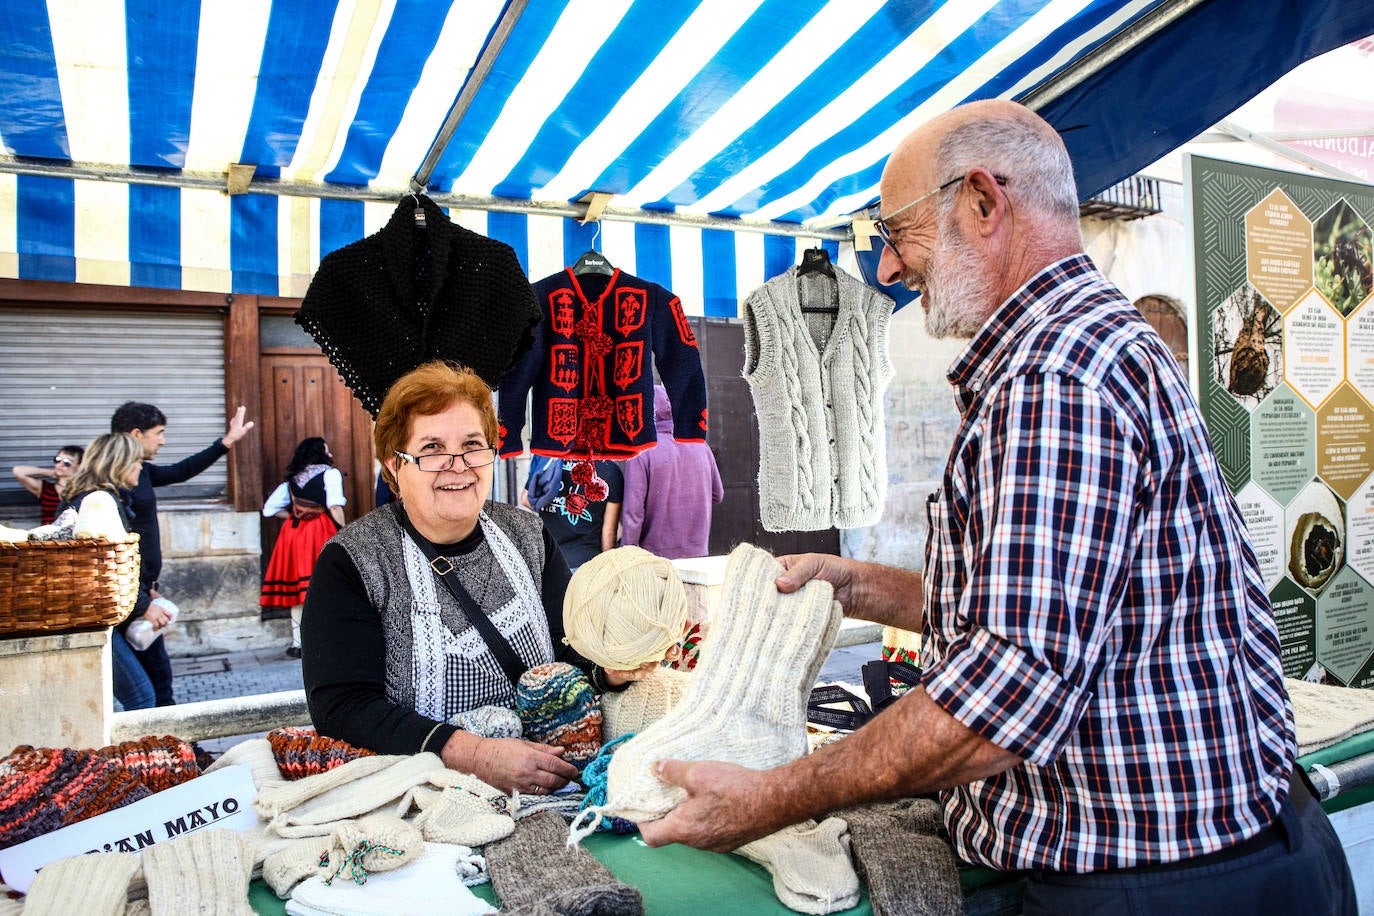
(1102, 701)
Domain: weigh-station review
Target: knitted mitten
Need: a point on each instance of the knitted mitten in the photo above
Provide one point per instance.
(558, 707)
(285, 868)
(810, 865)
(908, 866)
(644, 702)
(489, 722)
(313, 806)
(376, 843)
(301, 752)
(471, 813)
(534, 871)
(203, 872)
(42, 789)
(746, 701)
(96, 884)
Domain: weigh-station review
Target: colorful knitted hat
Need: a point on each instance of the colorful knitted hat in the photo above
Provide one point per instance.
(158, 763)
(42, 789)
(557, 706)
(302, 752)
(624, 607)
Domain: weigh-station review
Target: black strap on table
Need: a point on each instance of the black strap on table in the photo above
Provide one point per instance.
(878, 677)
(819, 713)
(500, 648)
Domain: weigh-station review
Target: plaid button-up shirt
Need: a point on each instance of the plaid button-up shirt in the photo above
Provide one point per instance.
(1093, 603)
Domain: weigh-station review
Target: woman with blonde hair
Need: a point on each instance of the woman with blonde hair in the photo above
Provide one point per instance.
(111, 466)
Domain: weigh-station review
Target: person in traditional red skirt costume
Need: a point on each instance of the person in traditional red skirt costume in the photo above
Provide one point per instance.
(311, 499)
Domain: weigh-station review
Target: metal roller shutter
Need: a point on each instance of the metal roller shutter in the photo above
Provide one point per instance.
(63, 373)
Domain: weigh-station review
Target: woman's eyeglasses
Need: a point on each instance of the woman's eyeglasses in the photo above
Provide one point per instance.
(434, 463)
(64, 461)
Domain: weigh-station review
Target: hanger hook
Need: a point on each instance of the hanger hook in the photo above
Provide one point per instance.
(596, 235)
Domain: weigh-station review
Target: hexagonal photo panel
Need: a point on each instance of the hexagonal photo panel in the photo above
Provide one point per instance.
(1342, 257)
(1314, 528)
(1345, 627)
(1247, 346)
(1314, 349)
(1282, 430)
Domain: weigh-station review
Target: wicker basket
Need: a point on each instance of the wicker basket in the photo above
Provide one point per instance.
(49, 586)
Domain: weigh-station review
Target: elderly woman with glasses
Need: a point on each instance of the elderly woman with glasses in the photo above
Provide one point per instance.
(47, 482)
(430, 607)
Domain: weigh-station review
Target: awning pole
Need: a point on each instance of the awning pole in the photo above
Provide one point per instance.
(1120, 44)
(509, 17)
(571, 210)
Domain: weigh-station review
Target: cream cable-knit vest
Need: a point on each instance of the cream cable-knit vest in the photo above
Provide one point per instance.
(818, 381)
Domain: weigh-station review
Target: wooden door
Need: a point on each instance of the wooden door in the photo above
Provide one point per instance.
(734, 439)
(303, 396)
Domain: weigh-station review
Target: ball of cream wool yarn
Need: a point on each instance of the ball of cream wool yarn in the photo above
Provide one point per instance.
(624, 607)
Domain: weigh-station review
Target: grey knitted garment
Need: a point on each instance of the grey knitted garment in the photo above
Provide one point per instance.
(375, 544)
(902, 853)
(534, 873)
(818, 380)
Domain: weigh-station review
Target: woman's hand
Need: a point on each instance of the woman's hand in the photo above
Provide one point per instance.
(617, 676)
(509, 764)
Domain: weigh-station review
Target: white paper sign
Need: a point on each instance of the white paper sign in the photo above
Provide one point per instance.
(222, 799)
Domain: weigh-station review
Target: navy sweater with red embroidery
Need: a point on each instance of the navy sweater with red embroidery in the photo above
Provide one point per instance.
(589, 374)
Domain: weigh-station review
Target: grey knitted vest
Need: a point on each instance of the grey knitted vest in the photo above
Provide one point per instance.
(375, 545)
(818, 381)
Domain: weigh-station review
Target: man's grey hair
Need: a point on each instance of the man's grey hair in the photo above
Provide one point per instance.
(1037, 167)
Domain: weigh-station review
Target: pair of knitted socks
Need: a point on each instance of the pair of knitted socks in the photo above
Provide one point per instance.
(535, 873)
(746, 701)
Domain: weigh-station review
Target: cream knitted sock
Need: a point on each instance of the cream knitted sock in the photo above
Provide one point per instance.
(810, 865)
(376, 843)
(285, 868)
(644, 702)
(471, 813)
(904, 859)
(97, 884)
(205, 872)
(535, 873)
(746, 701)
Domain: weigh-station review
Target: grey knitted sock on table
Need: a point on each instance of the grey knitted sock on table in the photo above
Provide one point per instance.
(902, 855)
(535, 873)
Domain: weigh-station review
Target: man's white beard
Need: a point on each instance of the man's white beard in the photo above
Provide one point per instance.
(957, 286)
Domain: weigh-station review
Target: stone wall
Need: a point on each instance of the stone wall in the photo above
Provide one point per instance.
(211, 569)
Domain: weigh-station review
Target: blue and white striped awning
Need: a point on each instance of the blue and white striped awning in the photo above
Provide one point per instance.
(119, 120)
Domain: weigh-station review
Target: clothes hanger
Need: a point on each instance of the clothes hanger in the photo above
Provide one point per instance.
(419, 211)
(817, 261)
(593, 261)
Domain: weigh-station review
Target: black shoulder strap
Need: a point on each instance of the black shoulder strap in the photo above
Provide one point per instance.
(501, 649)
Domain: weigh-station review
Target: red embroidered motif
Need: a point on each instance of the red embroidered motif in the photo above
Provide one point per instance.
(594, 425)
(629, 414)
(561, 312)
(574, 503)
(564, 366)
(702, 421)
(629, 363)
(684, 329)
(562, 419)
(629, 309)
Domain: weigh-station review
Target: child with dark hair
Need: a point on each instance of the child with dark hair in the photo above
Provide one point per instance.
(311, 498)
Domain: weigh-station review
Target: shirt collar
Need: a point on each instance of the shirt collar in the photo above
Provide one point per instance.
(970, 371)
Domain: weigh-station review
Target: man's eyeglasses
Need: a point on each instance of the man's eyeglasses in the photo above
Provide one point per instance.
(64, 461)
(434, 463)
(881, 223)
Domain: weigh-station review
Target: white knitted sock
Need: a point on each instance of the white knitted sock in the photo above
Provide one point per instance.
(471, 813)
(313, 806)
(95, 883)
(285, 868)
(746, 701)
(644, 702)
(810, 865)
(205, 872)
